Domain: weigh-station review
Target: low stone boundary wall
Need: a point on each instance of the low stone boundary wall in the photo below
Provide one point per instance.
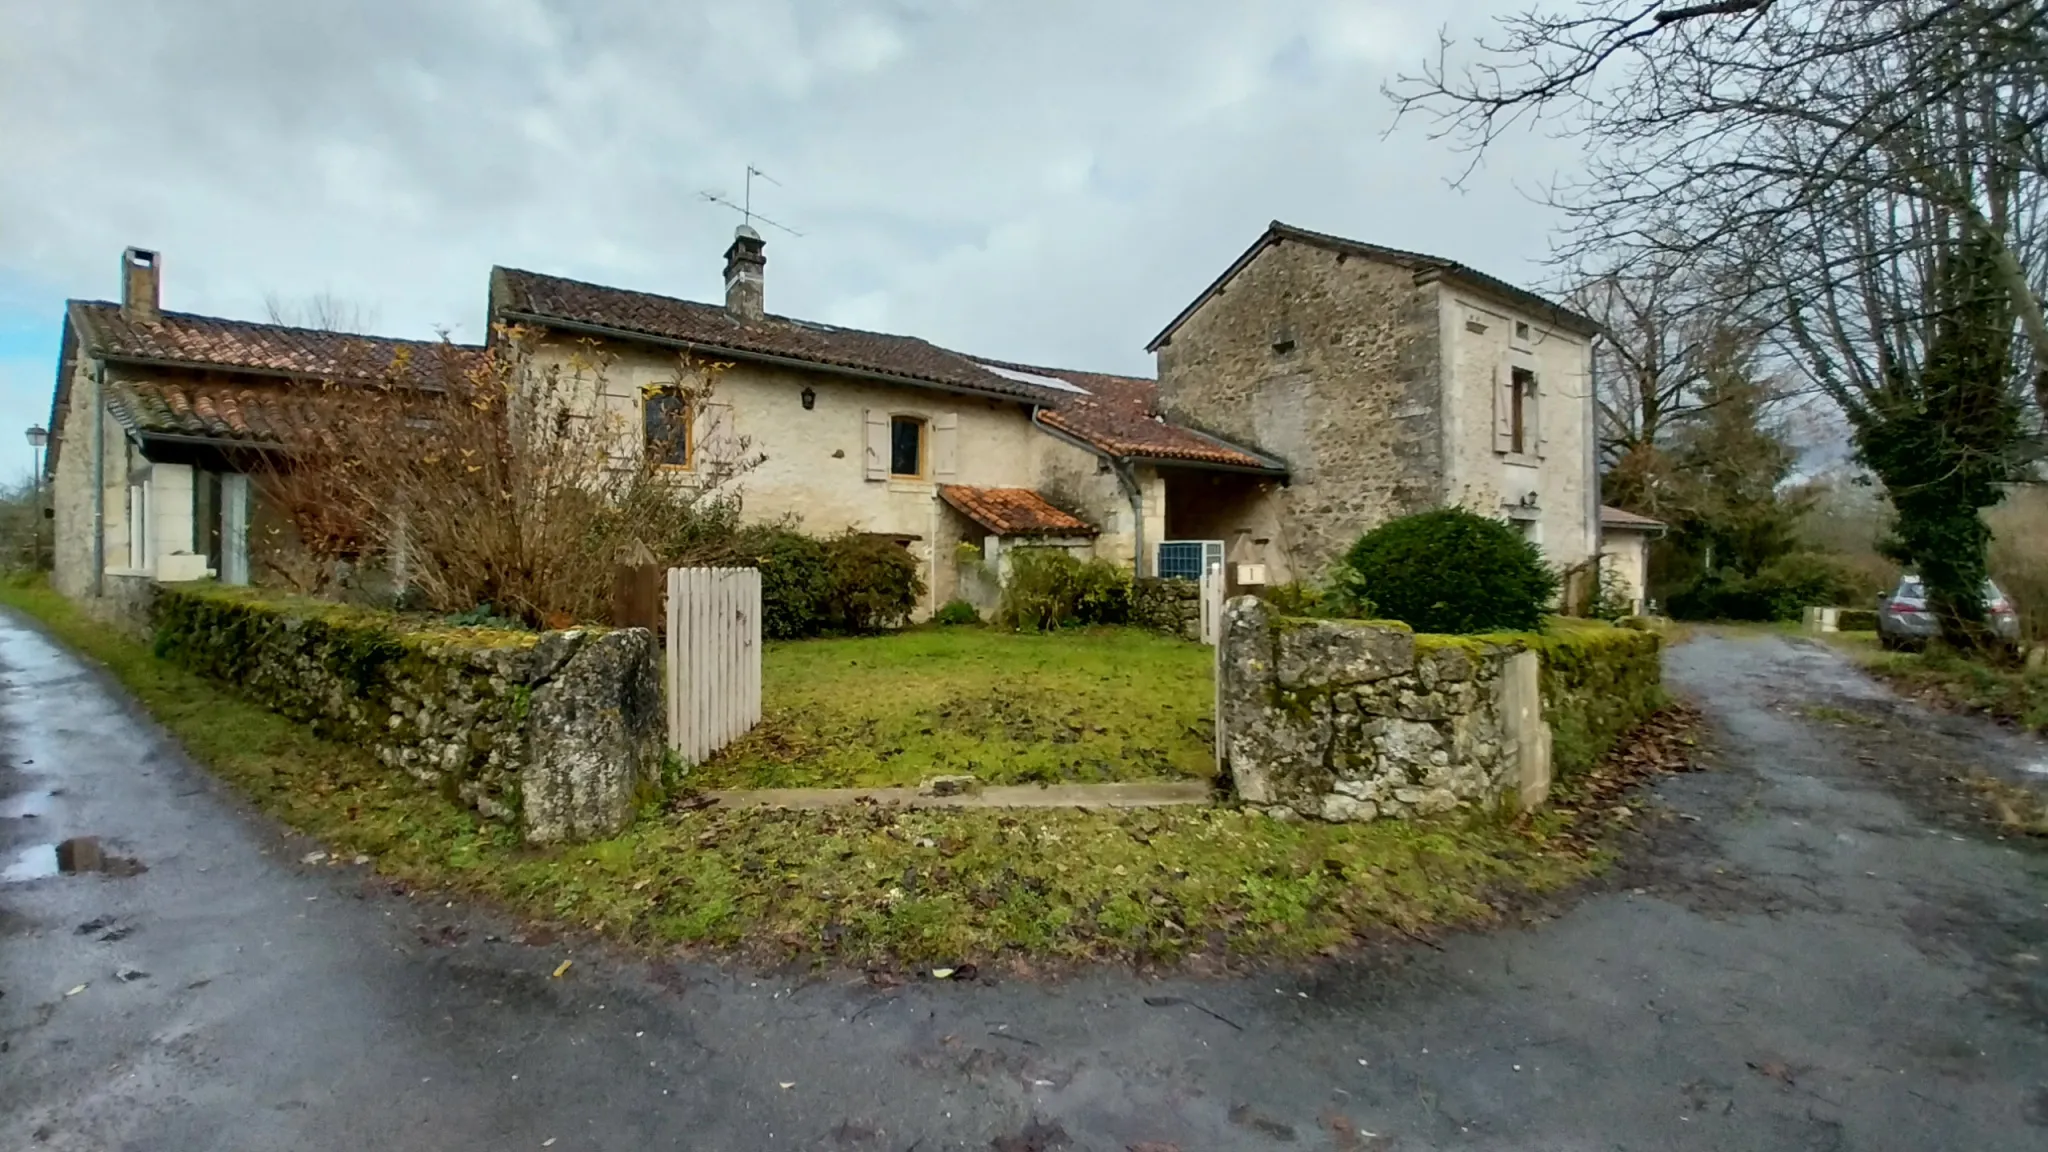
(558, 731)
(1167, 604)
(1353, 720)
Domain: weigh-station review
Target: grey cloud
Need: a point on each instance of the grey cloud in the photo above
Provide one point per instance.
(1045, 182)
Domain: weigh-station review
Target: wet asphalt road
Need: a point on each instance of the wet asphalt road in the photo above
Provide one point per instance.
(1819, 961)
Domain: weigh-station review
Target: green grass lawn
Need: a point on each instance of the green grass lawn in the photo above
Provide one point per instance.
(886, 886)
(1009, 708)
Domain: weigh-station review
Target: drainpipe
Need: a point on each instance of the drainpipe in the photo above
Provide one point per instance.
(1126, 478)
(99, 479)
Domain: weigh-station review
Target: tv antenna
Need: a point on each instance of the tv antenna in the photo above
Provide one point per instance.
(746, 207)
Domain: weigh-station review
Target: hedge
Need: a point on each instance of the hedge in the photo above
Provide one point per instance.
(1599, 680)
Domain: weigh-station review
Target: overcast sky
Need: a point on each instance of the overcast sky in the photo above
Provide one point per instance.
(1047, 182)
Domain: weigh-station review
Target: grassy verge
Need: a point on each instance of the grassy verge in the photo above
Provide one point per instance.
(1942, 677)
(1008, 708)
(878, 886)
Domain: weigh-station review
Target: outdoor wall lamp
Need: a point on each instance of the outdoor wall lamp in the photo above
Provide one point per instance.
(810, 395)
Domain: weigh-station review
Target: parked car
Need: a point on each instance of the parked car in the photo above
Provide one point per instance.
(1903, 620)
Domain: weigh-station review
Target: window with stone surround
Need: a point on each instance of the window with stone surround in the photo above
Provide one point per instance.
(665, 425)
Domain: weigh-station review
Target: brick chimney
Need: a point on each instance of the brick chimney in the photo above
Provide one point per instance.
(140, 288)
(745, 268)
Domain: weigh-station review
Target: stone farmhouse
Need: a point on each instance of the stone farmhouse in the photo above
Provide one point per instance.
(1314, 389)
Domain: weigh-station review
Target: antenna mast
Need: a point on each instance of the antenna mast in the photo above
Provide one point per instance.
(746, 207)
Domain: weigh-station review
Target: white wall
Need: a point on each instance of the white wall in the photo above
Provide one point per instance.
(1560, 469)
(813, 462)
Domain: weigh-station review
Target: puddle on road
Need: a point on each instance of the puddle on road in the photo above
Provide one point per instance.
(32, 864)
(27, 805)
(78, 854)
(2035, 768)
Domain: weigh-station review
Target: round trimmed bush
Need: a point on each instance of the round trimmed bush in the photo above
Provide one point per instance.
(1453, 571)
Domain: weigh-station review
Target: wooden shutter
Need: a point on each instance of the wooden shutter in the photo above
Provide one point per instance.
(946, 448)
(1504, 407)
(1532, 413)
(712, 442)
(877, 444)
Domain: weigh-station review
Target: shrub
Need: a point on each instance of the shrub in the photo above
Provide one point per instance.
(1339, 596)
(796, 579)
(1781, 590)
(957, 612)
(1453, 571)
(875, 582)
(1047, 589)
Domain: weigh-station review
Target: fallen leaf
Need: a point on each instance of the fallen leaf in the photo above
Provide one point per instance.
(1774, 1069)
(560, 969)
(787, 1084)
(942, 973)
(75, 991)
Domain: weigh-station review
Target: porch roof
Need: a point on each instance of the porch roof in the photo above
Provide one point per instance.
(1014, 512)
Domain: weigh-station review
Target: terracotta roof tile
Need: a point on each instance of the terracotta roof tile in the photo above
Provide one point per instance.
(552, 298)
(237, 413)
(1117, 414)
(182, 338)
(1013, 512)
(1120, 415)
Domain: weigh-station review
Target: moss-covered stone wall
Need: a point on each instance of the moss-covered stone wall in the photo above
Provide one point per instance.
(1354, 720)
(559, 732)
(1167, 604)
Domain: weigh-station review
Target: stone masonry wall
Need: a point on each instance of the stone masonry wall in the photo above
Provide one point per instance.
(1332, 363)
(558, 731)
(1349, 720)
(1356, 719)
(1168, 605)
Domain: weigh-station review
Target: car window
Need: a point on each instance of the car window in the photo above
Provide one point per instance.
(1910, 588)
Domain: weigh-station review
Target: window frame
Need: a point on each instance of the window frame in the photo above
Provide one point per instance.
(924, 445)
(689, 416)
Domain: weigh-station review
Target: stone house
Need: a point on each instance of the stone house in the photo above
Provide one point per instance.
(1625, 554)
(1318, 387)
(157, 418)
(847, 429)
(1389, 382)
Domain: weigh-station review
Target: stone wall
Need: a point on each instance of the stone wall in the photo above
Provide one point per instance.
(1332, 363)
(1353, 720)
(561, 732)
(1167, 605)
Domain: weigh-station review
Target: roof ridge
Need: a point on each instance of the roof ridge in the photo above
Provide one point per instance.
(1052, 371)
(271, 326)
(813, 325)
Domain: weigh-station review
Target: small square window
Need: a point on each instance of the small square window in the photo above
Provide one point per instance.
(906, 446)
(1521, 329)
(665, 421)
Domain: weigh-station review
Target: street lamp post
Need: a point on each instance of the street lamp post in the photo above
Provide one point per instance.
(38, 438)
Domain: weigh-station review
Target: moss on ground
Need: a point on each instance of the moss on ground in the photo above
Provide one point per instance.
(2013, 694)
(875, 885)
(410, 627)
(1076, 706)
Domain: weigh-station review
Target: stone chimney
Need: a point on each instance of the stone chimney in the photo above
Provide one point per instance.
(140, 287)
(745, 268)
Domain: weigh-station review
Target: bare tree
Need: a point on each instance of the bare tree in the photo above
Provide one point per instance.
(1714, 124)
(323, 311)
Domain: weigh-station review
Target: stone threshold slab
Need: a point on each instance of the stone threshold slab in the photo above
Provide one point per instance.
(1144, 795)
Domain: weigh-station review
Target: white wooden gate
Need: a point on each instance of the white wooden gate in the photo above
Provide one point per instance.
(714, 658)
(1212, 603)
